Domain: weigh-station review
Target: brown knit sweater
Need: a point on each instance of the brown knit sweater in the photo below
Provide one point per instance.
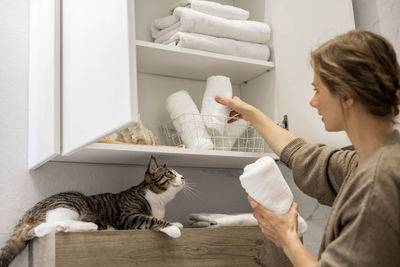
(363, 228)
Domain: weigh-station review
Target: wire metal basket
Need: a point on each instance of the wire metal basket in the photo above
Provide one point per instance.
(211, 132)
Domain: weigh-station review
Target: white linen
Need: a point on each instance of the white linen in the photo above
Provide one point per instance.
(264, 182)
(231, 134)
(217, 219)
(159, 24)
(187, 121)
(197, 22)
(214, 9)
(219, 45)
(215, 114)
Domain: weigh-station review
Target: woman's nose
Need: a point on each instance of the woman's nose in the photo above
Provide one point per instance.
(313, 102)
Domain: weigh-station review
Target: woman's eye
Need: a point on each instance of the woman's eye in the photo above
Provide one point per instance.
(315, 90)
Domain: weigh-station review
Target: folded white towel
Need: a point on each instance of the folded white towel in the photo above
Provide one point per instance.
(187, 121)
(165, 34)
(231, 134)
(217, 219)
(215, 114)
(264, 182)
(214, 9)
(197, 22)
(159, 24)
(219, 45)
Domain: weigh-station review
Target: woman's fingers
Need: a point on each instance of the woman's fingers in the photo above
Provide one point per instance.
(223, 101)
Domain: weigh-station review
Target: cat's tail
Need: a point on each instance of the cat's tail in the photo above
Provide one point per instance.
(19, 239)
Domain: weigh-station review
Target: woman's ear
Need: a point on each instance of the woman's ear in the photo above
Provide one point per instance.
(347, 102)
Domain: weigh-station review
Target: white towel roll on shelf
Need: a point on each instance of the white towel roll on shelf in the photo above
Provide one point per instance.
(264, 182)
(215, 114)
(187, 121)
(230, 136)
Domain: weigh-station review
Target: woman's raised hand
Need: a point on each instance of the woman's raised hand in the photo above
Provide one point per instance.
(239, 108)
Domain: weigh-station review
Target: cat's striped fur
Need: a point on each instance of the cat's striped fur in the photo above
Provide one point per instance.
(140, 207)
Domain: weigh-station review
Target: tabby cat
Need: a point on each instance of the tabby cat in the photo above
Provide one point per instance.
(140, 207)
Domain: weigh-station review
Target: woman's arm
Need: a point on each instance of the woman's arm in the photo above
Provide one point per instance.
(282, 230)
(274, 135)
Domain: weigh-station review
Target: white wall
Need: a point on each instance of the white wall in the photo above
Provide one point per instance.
(382, 17)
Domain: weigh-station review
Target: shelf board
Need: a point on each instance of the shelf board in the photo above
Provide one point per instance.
(181, 157)
(207, 247)
(187, 63)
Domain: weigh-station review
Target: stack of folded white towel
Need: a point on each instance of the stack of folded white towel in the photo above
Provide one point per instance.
(207, 129)
(213, 27)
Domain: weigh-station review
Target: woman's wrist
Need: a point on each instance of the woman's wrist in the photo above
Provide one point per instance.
(291, 244)
(298, 254)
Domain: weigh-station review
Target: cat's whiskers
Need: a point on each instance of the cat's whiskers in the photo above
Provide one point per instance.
(190, 191)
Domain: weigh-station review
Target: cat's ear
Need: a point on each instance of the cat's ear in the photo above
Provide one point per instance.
(151, 169)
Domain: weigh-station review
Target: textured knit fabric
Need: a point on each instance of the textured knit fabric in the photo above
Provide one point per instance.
(363, 228)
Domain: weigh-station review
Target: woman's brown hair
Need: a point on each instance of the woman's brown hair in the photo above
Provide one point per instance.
(362, 65)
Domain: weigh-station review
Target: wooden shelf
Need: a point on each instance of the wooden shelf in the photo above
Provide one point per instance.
(221, 246)
(140, 155)
(195, 64)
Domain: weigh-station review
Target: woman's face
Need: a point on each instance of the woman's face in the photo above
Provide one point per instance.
(327, 105)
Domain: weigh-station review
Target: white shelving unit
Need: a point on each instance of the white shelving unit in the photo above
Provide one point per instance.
(186, 63)
(138, 154)
(175, 62)
(104, 70)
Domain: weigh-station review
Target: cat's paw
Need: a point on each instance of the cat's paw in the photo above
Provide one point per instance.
(62, 227)
(90, 227)
(172, 231)
(178, 224)
(43, 229)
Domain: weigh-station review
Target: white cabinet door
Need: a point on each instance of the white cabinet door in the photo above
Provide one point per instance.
(298, 27)
(44, 82)
(99, 80)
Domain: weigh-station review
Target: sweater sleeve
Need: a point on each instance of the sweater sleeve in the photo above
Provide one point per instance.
(318, 170)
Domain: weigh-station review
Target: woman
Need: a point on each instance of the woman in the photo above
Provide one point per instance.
(357, 90)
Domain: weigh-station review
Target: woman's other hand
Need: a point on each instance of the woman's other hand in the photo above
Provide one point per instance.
(279, 228)
(239, 108)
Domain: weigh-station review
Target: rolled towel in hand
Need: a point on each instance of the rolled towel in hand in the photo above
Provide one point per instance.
(187, 121)
(214, 9)
(215, 114)
(199, 220)
(264, 182)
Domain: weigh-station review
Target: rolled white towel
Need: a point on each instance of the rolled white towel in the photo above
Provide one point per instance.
(197, 22)
(214, 9)
(264, 182)
(231, 134)
(187, 121)
(216, 219)
(219, 45)
(215, 114)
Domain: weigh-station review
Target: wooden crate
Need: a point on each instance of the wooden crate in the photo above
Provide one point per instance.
(221, 246)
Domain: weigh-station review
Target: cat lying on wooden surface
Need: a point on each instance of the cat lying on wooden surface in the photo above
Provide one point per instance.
(140, 207)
